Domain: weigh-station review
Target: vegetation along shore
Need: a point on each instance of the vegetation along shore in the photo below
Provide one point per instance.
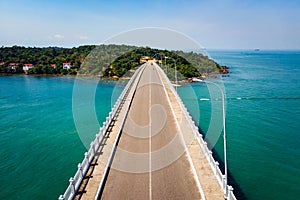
(107, 61)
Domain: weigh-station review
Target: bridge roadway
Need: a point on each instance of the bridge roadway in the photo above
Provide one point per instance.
(157, 156)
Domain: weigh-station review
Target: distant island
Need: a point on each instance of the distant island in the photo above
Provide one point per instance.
(108, 61)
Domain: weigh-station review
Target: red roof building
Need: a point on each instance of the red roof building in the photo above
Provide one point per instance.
(13, 65)
(67, 65)
(27, 66)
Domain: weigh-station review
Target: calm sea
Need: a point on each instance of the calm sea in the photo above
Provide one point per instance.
(40, 147)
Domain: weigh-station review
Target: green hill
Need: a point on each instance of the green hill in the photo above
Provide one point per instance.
(102, 60)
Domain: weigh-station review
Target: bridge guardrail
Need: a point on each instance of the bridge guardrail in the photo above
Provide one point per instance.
(228, 190)
(89, 155)
(110, 160)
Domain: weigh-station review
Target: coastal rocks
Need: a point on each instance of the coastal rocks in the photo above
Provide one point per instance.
(224, 70)
(115, 78)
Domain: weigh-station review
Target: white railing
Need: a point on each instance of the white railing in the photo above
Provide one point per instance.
(110, 159)
(227, 189)
(89, 155)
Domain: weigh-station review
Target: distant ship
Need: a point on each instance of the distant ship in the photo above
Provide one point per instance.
(256, 49)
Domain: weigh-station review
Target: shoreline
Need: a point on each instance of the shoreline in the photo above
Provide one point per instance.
(60, 75)
(223, 73)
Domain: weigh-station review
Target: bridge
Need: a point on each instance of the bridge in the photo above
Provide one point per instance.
(148, 148)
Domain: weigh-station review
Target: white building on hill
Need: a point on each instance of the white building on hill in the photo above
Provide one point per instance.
(67, 65)
(27, 66)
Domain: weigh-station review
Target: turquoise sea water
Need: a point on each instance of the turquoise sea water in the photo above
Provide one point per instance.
(263, 127)
(263, 113)
(40, 148)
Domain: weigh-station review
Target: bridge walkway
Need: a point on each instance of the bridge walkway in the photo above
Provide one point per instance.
(157, 155)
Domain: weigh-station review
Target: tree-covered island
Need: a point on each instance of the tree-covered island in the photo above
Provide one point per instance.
(103, 60)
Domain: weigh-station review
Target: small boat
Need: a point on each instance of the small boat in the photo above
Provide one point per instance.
(204, 99)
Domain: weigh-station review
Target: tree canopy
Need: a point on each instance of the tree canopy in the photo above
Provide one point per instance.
(105, 60)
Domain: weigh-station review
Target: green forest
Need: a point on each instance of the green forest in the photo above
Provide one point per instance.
(102, 60)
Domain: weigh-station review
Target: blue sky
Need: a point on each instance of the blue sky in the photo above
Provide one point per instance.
(215, 24)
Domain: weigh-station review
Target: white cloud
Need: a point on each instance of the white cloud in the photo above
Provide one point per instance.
(58, 37)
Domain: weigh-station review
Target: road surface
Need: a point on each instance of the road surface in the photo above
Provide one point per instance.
(151, 161)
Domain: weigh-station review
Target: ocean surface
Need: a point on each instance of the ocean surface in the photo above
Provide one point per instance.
(40, 146)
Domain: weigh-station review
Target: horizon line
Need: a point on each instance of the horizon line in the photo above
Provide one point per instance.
(205, 48)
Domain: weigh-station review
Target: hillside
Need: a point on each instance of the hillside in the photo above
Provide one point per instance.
(102, 60)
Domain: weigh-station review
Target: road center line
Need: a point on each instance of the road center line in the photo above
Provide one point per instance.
(150, 142)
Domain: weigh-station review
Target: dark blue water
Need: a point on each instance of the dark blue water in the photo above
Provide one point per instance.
(40, 147)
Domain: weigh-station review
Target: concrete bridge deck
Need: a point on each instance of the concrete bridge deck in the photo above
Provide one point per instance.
(157, 155)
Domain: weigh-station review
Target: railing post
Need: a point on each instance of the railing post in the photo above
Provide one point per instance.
(61, 197)
(97, 138)
(92, 147)
(216, 167)
(224, 186)
(207, 150)
(230, 191)
(196, 128)
(72, 185)
(101, 131)
(104, 125)
(80, 170)
(107, 122)
(201, 138)
(95, 150)
(209, 156)
(204, 145)
(86, 156)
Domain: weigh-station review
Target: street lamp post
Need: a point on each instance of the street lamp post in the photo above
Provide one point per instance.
(157, 54)
(224, 127)
(166, 65)
(175, 73)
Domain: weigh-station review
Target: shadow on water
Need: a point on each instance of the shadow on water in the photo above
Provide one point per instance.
(238, 192)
